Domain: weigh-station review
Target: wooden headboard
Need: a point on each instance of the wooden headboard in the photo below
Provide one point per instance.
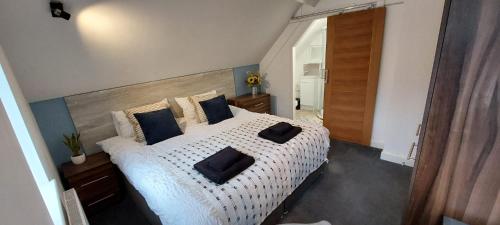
(91, 111)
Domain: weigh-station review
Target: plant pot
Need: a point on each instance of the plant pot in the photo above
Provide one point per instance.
(255, 90)
(78, 159)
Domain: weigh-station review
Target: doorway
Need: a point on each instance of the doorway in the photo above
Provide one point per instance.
(308, 73)
(336, 66)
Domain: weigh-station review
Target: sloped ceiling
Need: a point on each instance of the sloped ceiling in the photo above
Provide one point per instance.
(110, 43)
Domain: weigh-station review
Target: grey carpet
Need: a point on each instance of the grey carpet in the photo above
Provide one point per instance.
(357, 188)
(124, 213)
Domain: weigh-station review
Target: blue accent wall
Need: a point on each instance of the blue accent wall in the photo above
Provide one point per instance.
(54, 120)
(240, 75)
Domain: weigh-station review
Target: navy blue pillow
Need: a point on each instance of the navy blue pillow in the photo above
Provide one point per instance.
(158, 125)
(216, 109)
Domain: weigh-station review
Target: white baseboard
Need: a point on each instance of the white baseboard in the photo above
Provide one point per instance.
(377, 144)
(396, 159)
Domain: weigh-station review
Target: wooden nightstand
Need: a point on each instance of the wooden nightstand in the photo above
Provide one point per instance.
(96, 181)
(260, 103)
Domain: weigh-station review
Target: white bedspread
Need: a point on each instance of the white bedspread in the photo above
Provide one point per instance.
(163, 173)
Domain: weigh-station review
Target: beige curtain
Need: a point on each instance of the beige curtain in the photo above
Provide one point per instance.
(468, 181)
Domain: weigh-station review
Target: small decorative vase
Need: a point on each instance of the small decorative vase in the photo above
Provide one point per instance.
(78, 159)
(255, 90)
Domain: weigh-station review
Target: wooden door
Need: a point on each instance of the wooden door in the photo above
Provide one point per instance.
(457, 171)
(353, 51)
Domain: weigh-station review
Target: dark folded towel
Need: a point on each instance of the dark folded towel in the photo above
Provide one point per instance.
(279, 138)
(205, 166)
(224, 159)
(280, 128)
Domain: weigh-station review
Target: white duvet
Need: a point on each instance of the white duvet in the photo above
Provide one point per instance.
(163, 173)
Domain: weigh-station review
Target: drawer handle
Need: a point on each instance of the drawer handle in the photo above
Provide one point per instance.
(91, 182)
(101, 199)
(259, 104)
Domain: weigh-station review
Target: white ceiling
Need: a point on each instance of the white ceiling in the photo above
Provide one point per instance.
(110, 43)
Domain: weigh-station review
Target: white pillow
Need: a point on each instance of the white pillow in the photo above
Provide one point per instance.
(235, 110)
(122, 124)
(118, 143)
(188, 108)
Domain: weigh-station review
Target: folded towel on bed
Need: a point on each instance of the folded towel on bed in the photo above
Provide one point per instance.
(225, 158)
(272, 134)
(280, 128)
(224, 165)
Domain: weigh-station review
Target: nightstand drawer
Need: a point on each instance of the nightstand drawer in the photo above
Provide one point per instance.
(96, 187)
(260, 103)
(259, 108)
(91, 175)
(102, 200)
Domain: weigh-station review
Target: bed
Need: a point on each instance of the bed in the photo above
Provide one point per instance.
(163, 173)
(162, 180)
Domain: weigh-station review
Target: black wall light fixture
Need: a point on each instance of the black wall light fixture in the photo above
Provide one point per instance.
(56, 8)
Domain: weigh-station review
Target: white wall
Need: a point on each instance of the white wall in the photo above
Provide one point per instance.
(29, 181)
(18, 193)
(410, 39)
(277, 67)
(392, 35)
(111, 43)
(412, 72)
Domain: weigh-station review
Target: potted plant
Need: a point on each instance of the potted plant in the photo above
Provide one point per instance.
(73, 143)
(253, 81)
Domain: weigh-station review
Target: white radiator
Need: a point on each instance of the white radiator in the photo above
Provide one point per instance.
(73, 207)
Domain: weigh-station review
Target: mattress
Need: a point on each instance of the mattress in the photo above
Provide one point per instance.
(163, 173)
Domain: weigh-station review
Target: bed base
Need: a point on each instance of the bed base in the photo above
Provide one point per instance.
(140, 203)
(273, 218)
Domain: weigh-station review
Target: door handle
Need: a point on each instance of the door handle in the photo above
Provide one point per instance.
(412, 147)
(327, 75)
(418, 130)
